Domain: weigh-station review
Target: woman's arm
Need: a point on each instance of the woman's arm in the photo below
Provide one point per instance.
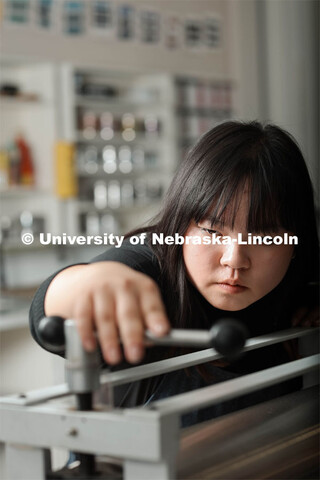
(108, 298)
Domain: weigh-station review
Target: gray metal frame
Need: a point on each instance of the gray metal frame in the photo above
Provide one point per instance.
(146, 439)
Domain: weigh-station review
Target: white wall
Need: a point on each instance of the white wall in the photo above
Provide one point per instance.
(290, 75)
(101, 52)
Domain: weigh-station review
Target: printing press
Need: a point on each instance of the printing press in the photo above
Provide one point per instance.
(274, 439)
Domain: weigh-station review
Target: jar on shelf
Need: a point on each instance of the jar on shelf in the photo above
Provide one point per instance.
(127, 193)
(106, 126)
(89, 124)
(140, 191)
(114, 194)
(128, 122)
(100, 194)
(109, 159)
(138, 158)
(88, 159)
(125, 159)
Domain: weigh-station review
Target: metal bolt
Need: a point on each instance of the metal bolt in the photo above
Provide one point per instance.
(73, 432)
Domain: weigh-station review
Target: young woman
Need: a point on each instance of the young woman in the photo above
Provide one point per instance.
(240, 178)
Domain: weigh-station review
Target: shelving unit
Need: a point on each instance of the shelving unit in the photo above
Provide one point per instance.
(33, 113)
(131, 132)
(123, 127)
(201, 104)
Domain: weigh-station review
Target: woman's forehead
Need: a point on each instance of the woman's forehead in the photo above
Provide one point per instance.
(240, 214)
(237, 209)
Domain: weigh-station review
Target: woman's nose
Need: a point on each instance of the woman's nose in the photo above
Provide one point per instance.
(235, 256)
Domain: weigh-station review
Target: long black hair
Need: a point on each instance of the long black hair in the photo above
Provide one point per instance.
(233, 155)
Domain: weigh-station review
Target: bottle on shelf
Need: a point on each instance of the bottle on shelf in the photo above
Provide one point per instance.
(4, 170)
(140, 191)
(89, 124)
(138, 158)
(114, 194)
(88, 159)
(127, 193)
(128, 122)
(109, 159)
(92, 223)
(100, 194)
(66, 180)
(26, 162)
(106, 126)
(151, 125)
(125, 159)
(14, 164)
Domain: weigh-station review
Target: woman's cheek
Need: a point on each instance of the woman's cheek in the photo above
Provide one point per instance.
(272, 264)
(198, 260)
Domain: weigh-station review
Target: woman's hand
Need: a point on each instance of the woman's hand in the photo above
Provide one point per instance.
(303, 317)
(112, 300)
(306, 317)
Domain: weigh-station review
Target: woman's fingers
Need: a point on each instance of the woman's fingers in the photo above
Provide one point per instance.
(306, 317)
(114, 305)
(83, 314)
(154, 314)
(130, 324)
(105, 320)
(298, 316)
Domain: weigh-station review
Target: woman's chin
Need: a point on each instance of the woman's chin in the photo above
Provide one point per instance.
(229, 303)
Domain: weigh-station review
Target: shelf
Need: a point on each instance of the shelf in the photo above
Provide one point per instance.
(119, 140)
(22, 191)
(102, 175)
(204, 111)
(14, 320)
(10, 104)
(116, 103)
(10, 247)
(14, 311)
(23, 98)
(85, 206)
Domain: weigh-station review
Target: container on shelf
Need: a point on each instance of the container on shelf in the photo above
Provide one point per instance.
(4, 170)
(109, 159)
(66, 179)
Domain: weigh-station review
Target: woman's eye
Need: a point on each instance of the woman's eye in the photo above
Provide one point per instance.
(209, 231)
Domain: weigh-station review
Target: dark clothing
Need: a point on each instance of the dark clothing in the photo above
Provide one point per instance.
(259, 319)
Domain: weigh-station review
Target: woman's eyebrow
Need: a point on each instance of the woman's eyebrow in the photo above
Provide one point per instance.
(217, 223)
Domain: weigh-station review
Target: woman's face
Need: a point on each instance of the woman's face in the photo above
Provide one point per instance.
(232, 277)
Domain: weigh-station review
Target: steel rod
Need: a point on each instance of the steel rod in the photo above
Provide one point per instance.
(157, 368)
(196, 358)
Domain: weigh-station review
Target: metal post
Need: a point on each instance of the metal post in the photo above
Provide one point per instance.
(165, 468)
(26, 463)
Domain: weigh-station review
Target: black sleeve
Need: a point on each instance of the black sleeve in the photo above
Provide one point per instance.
(36, 312)
(139, 257)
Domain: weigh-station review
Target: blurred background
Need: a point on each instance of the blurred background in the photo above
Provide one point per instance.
(100, 101)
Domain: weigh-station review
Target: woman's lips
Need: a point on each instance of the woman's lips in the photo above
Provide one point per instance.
(232, 288)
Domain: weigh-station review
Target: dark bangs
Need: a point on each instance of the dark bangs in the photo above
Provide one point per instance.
(268, 205)
(234, 158)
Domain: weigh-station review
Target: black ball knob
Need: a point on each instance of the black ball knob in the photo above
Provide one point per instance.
(51, 333)
(228, 337)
